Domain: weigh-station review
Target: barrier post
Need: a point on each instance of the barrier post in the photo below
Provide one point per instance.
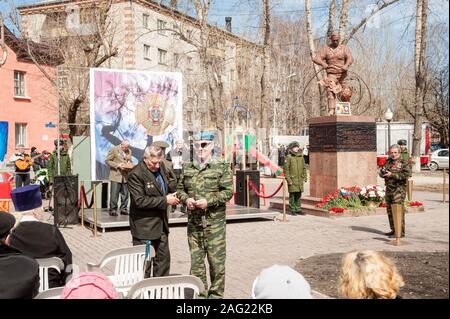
(82, 205)
(94, 188)
(284, 200)
(248, 190)
(410, 188)
(443, 186)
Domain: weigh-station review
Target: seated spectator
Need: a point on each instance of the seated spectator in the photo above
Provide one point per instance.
(35, 238)
(280, 282)
(369, 275)
(19, 274)
(89, 285)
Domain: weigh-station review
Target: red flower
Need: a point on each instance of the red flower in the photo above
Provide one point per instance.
(383, 205)
(336, 210)
(415, 204)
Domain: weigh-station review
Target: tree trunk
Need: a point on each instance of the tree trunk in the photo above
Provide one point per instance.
(322, 109)
(265, 98)
(343, 19)
(419, 65)
(331, 17)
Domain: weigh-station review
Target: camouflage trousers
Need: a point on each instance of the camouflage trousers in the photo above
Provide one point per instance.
(397, 197)
(208, 242)
(294, 202)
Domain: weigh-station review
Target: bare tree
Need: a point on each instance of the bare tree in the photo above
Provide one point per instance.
(343, 18)
(419, 67)
(265, 98)
(79, 53)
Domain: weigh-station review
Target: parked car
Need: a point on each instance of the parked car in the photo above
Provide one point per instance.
(438, 159)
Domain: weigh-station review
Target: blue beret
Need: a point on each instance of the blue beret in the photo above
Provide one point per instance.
(205, 136)
(26, 197)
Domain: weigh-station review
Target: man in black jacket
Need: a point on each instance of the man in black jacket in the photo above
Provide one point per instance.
(151, 193)
(19, 274)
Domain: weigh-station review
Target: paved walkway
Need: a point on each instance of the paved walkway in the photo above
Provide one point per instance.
(254, 245)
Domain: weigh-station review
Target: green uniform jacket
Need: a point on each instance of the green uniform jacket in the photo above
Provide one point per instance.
(295, 172)
(405, 158)
(64, 162)
(214, 183)
(400, 174)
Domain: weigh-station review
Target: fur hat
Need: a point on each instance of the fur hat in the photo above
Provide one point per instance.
(293, 144)
(26, 198)
(89, 285)
(7, 222)
(280, 282)
(401, 142)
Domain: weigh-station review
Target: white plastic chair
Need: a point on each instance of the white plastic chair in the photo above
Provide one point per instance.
(52, 293)
(129, 266)
(44, 265)
(169, 287)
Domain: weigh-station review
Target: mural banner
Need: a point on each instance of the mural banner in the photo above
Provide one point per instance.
(3, 141)
(138, 106)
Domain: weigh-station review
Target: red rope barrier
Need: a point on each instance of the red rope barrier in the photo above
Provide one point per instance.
(84, 199)
(262, 196)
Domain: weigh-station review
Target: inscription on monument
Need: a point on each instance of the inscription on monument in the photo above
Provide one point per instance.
(343, 137)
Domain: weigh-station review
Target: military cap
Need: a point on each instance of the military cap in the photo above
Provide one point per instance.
(7, 222)
(161, 144)
(401, 142)
(204, 136)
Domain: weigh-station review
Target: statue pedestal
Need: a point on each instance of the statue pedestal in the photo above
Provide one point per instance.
(342, 153)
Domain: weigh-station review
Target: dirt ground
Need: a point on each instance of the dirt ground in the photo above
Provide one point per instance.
(425, 274)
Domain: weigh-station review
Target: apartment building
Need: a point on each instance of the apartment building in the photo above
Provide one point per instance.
(153, 37)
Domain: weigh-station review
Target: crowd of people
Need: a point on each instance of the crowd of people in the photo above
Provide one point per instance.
(202, 185)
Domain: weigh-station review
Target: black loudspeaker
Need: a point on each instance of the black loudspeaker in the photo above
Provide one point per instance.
(104, 195)
(241, 188)
(65, 200)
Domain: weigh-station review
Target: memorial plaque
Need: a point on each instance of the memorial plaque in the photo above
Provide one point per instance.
(343, 137)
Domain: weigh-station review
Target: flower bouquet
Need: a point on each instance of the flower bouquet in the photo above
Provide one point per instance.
(372, 195)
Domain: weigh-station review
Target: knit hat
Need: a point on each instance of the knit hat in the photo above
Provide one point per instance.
(89, 285)
(280, 282)
(293, 144)
(26, 198)
(7, 222)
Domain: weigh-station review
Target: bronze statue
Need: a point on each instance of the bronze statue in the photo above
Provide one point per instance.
(335, 58)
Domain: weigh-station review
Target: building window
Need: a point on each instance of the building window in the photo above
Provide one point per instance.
(176, 59)
(146, 52)
(189, 34)
(189, 63)
(189, 91)
(146, 20)
(21, 134)
(176, 31)
(162, 55)
(19, 83)
(161, 25)
(231, 75)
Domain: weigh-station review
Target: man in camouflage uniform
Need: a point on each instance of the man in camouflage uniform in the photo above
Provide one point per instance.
(205, 185)
(404, 154)
(395, 173)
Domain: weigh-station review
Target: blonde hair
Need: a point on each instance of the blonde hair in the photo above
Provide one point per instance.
(369, 275)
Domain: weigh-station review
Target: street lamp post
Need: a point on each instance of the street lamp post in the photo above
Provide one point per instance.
(388, 116)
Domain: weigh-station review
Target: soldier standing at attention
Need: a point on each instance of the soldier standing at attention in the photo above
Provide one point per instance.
(395, 173)
(405, 154)
(296, 176)
(205, 185)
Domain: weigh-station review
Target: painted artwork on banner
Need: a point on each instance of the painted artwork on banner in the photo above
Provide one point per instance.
(3, 141)
(137, 106)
